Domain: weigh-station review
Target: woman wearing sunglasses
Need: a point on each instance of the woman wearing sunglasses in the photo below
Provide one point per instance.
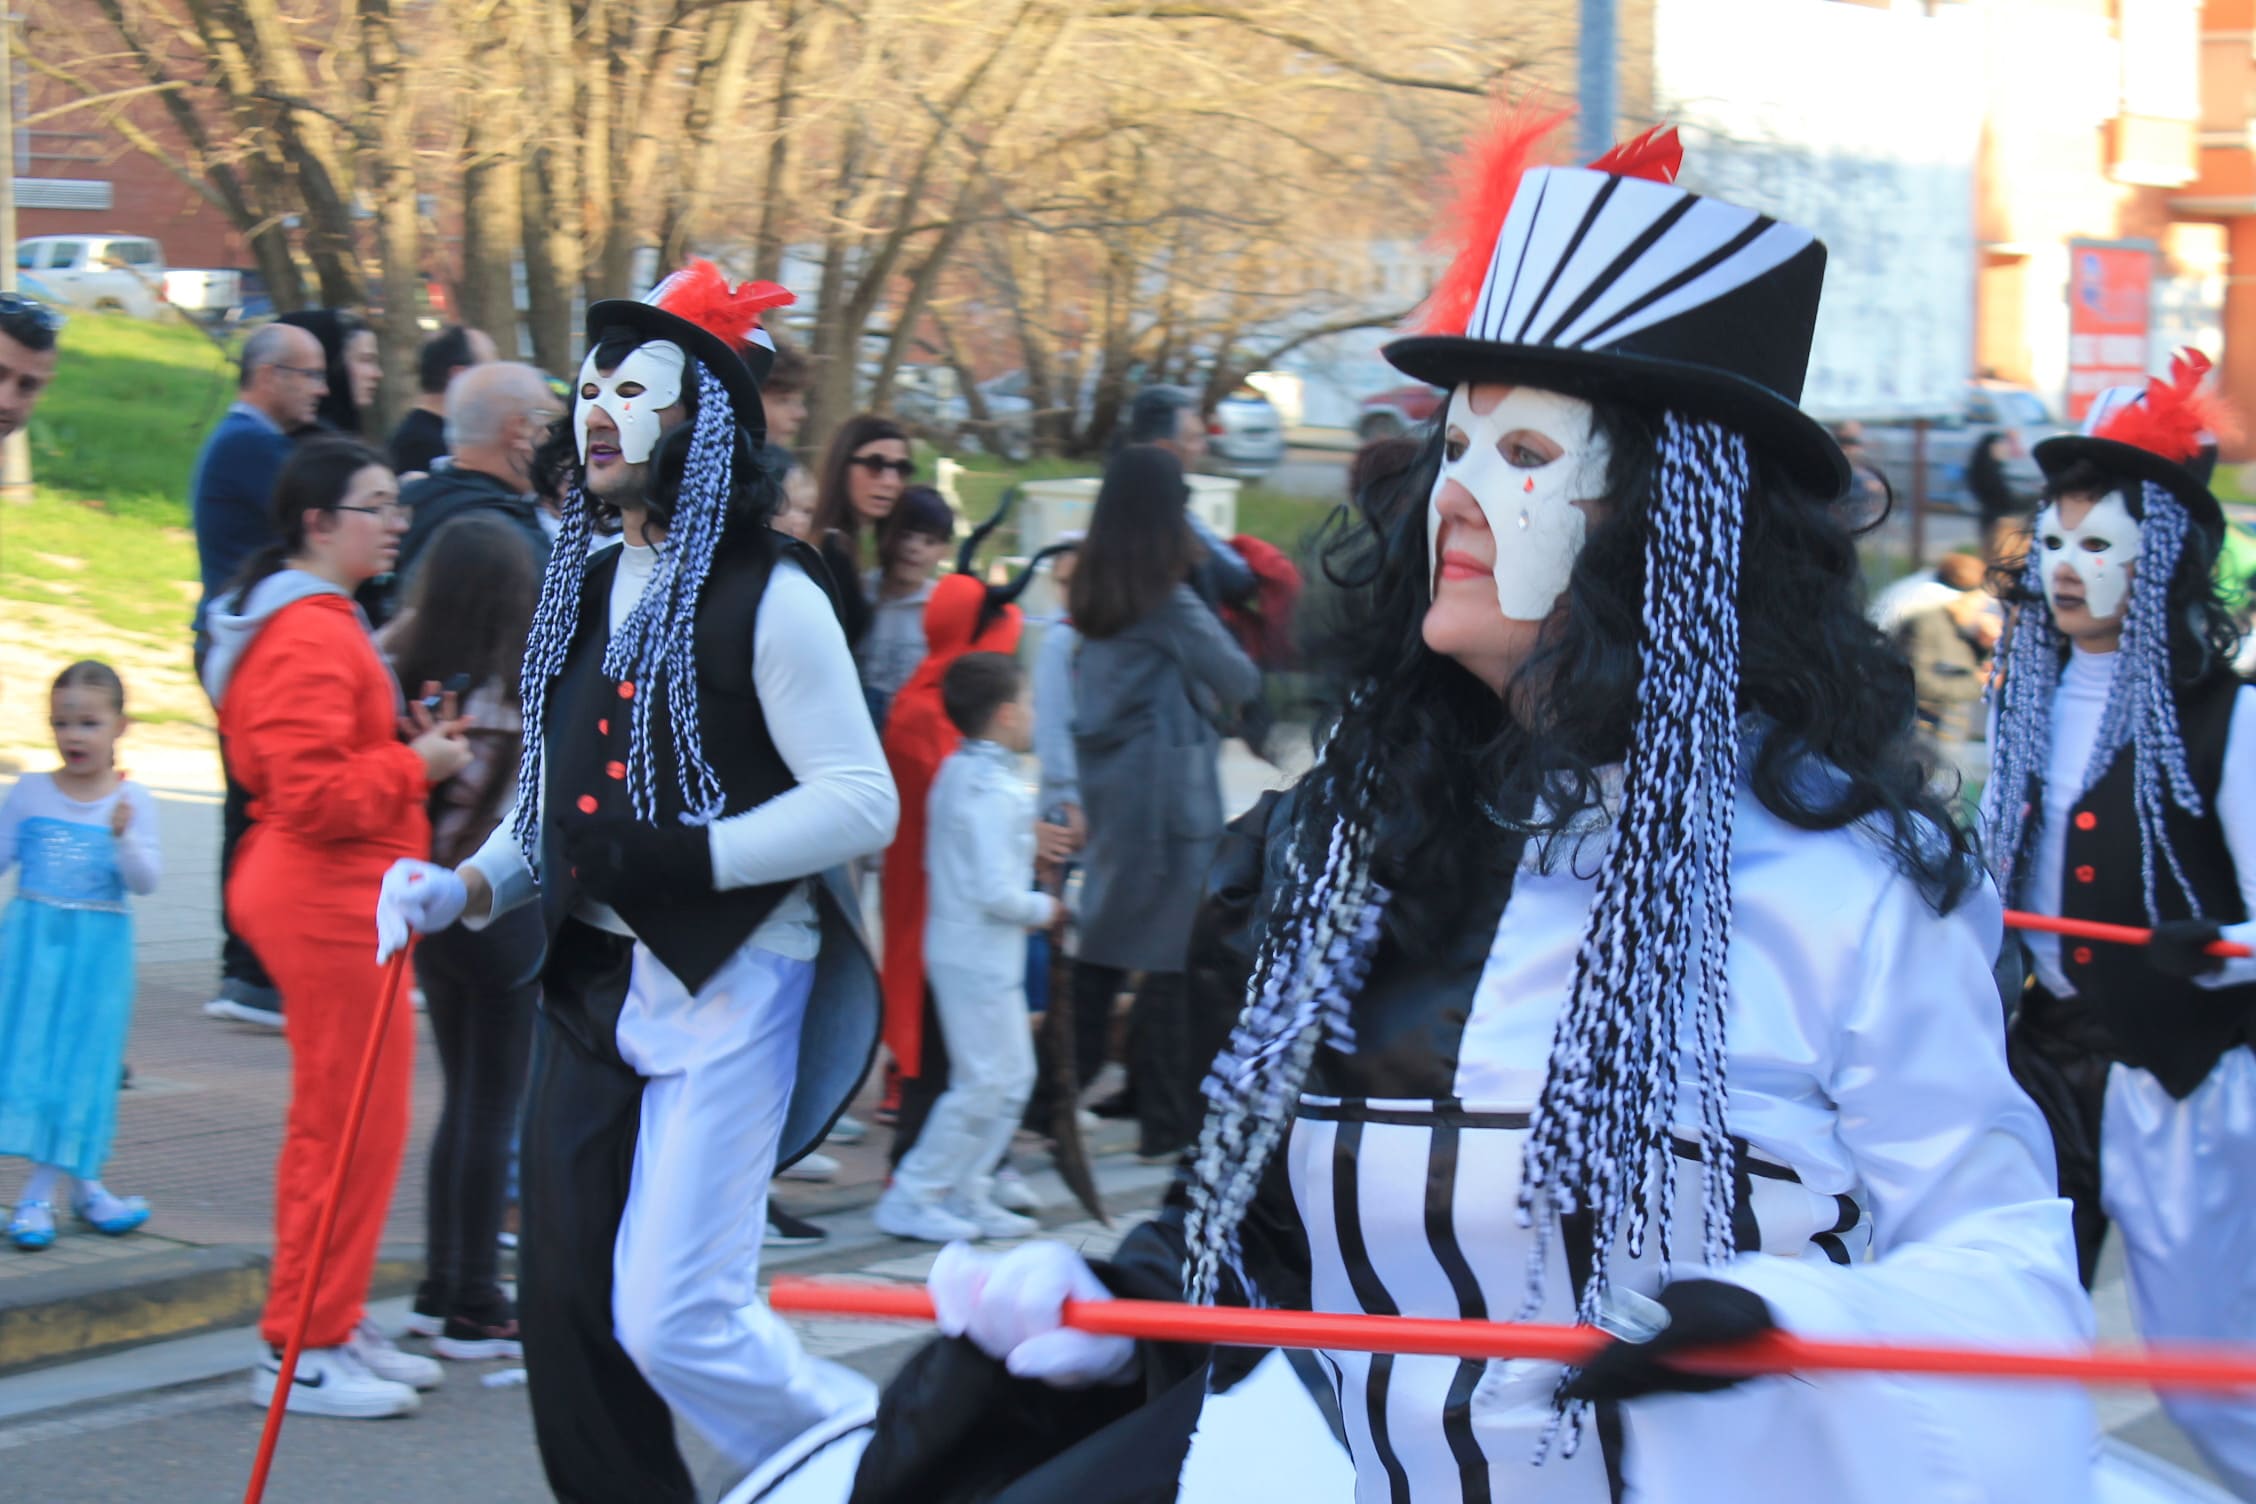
(862, 479)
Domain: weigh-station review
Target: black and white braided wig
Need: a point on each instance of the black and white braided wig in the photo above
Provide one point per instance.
(1649, 982)
(654, 647)
(2141, 710)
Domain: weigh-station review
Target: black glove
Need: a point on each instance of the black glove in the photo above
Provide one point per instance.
(615, 858)
(1702, 1313)
(2179, 948)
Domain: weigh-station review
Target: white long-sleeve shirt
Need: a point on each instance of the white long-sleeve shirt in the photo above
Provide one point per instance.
(2077, 707)
(842, 806)
(979, 858)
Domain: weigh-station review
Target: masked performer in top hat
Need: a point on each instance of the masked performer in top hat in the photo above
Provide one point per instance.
(2124, 790)
(698, 762)
(1612, 963)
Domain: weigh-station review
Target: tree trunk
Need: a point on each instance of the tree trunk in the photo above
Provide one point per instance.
(491, 226)
(391, 172)
(767, 262)
(716, 104)
(549, 186)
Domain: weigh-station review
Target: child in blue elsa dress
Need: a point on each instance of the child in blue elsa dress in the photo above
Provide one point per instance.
(85, 838)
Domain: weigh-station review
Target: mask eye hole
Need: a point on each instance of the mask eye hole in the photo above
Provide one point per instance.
(1454, 446)
(590, 390)
(2054, 543)
(631, 388)
(2095, 545)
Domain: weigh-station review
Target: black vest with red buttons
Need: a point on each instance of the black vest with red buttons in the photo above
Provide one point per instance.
(585, 748)
(2173, 1029)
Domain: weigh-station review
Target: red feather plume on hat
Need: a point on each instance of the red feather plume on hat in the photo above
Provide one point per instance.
(2176, 416)
(700, 294)
(1487, 175)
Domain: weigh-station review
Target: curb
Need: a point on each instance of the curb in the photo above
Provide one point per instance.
(80, 1311)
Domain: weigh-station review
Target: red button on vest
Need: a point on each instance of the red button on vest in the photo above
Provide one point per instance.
(602, 728)
(2085, 874)
(615, 769)
(587, 804)
(626, 689)
(2087, 821)
(2081, 955)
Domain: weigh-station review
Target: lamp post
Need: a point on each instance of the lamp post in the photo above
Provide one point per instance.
(1595, 80)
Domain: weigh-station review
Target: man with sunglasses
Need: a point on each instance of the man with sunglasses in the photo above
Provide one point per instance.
(27, 357)
(282, 378)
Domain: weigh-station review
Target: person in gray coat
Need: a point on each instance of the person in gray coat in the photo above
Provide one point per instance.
(1157, 683)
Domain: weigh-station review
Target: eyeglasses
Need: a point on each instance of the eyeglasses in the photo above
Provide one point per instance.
(878, 464)
(389, 512)
(15, 305)
(310, 373)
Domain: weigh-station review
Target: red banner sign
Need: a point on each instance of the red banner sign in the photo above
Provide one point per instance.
(2109, 287)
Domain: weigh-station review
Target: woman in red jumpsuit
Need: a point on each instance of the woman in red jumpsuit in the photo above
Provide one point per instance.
(316, 728)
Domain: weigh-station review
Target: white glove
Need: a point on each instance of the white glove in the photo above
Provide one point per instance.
(417, 898)
(1010, 1305)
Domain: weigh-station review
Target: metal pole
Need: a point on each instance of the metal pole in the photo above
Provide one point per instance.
(1595, 79)
(15, 453)
(1918, 492)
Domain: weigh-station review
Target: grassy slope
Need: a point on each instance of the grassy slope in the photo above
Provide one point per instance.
(112, 444)
(1273, 516)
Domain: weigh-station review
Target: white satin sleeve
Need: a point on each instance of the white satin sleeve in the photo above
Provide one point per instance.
(502, 863)
(1971, 1244)
(2236, 812)
(844, 804)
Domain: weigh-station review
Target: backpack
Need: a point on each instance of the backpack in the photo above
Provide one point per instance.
(1264, 626)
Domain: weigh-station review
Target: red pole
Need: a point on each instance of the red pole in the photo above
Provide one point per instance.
(2176, 1366)
(2113, 934)
(394, 972)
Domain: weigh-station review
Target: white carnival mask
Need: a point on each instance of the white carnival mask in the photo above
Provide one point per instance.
(2096, 549)
(657, 368)
(1530, 509)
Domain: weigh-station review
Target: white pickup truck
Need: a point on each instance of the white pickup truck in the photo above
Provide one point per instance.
(125, 274)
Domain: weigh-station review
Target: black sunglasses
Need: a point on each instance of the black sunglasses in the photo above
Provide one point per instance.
(878, 464)
(15, 305)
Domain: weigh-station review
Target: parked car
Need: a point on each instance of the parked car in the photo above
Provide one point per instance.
(1990, 407)
(208, 296)
(1388, 414)
(1245, 437)
(103, 273)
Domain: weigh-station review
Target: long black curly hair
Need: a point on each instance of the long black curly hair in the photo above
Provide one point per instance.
(1837, 699)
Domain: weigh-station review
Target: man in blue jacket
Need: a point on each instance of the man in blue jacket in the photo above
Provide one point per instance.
(283, 379)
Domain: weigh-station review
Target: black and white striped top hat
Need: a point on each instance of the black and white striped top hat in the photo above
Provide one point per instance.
(1611, 283)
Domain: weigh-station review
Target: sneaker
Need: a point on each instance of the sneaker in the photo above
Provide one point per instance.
(235, 1010)
(425, 1321)
(331, 1381)
(480, 1340)
(1012, 1193)
(991, 1220)
(848, 1130)
(382, 1357)
(904, 1216)
(787, 1231)
(811, 1167)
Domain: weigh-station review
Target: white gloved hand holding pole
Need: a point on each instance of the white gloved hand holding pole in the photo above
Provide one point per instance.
(1011, 1306)
(418, 898)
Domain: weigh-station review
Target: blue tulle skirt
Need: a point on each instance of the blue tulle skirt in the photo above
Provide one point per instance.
(66, 1000)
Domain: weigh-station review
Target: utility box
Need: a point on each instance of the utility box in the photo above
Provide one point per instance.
(1049, 509)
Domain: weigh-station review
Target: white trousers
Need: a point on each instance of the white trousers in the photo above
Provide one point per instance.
(2178, 1179)
(685, 1299)
(990, 1077)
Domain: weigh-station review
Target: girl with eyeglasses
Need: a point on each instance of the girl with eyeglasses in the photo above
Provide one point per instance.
(863, 475)
(339, 767)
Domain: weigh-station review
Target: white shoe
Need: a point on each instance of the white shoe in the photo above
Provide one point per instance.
(331, 1381)
(991, 1220)
(235, 1010)
(813, 1167)
(904, 1216)
(1012, 1193)
(384, 1358)
(847, 1130)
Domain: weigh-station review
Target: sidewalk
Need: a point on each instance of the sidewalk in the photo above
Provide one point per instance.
(199, 1130)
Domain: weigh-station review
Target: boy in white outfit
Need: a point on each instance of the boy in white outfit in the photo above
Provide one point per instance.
(979, 859)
